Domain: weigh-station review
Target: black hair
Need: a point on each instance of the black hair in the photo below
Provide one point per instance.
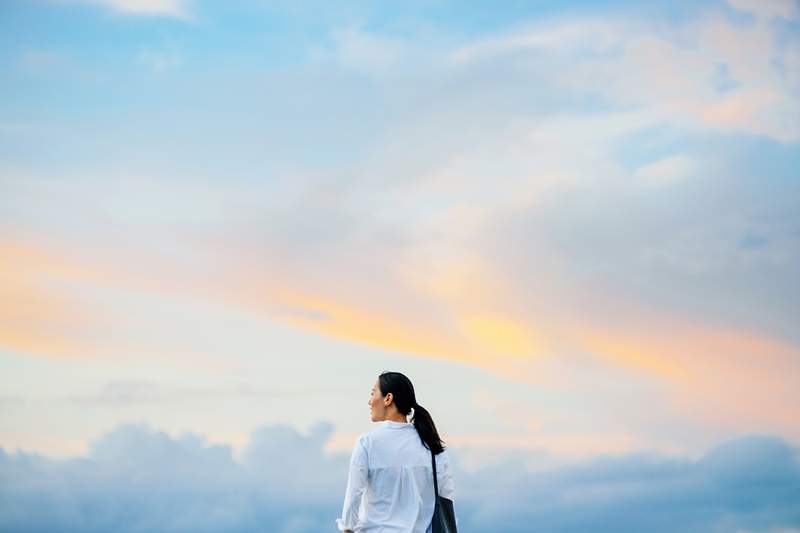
(404, 398)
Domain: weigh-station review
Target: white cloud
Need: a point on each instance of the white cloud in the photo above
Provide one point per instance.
(667, 171)
(768, 9)
(571, 37)
(163, 8)
(160, 60)
(668, 73)
(362, 50)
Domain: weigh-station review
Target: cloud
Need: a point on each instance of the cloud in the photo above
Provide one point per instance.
(767, 9)
(482, 208)
(135, 477)
(128, 392)
(35, 315)
(551, 36)
(751, 241)
(519, 285)
(160, 60)
(668, 171)
(672, 74)
(362, 50)
(159, 8)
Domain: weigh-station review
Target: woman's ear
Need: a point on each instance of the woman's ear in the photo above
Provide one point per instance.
(389, 398)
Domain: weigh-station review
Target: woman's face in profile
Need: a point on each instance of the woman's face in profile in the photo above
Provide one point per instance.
(376, 408)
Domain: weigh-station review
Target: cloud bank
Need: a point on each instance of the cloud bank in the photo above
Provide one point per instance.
(136, 478)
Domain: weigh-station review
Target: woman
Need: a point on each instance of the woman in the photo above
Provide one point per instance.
(391, 465)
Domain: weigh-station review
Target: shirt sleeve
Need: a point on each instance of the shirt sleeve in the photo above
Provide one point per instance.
(444, 474)
(356, 483)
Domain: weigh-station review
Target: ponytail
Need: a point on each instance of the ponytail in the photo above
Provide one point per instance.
(403, 392)
(427, 430)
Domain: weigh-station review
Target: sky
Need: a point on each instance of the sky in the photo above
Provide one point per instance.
(574, 225)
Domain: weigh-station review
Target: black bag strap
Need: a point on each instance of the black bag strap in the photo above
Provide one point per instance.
(435, 483)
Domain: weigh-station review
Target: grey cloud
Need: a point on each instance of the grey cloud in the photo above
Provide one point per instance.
(720, 247)
(135, 478)
(752, 241)
(750, 482)
(134, 391)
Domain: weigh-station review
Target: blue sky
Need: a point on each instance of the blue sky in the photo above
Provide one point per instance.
(220, 217)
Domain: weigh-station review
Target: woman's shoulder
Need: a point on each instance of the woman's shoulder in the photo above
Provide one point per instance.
(443, 459)
(368, 437)
(373, 435)
(364, 438)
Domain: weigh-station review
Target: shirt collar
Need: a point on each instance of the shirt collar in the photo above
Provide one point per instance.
(393, 424)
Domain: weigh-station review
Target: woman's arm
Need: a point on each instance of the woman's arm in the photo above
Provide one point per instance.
(444, 472)
(356, 484)
(446, 484)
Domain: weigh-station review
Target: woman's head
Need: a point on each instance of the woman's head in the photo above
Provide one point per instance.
(393, 394)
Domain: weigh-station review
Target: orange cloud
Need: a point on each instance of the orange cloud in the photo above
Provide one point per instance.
(37, 313)
(731, 378)
(628, 351)
(49, 307)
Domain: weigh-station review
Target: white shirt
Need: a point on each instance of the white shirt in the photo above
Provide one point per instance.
(390, 482)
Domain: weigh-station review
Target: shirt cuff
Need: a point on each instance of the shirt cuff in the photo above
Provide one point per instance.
(344, 526)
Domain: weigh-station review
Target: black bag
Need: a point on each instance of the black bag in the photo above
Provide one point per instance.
(444, 517)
